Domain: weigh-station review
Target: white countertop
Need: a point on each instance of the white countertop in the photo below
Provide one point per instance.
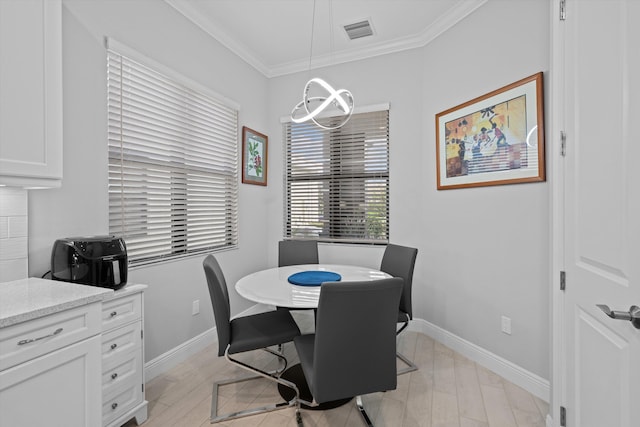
(27, 299)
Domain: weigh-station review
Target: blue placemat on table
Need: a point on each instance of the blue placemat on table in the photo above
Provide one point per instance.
(313, 278)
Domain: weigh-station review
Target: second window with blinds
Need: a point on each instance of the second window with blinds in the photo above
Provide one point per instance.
(337, 181)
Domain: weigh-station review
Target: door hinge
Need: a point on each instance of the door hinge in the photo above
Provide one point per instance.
(563, 280)
(563, 416)
(563, 143)
(141, 334)
(143, 388)
(563, 10)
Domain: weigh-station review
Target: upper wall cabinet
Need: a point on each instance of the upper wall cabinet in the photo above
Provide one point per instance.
(31, 93)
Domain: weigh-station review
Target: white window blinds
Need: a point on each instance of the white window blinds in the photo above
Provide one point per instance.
(337, 181)
(173, 175)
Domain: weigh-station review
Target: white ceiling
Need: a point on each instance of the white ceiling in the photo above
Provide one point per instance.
(275, 36)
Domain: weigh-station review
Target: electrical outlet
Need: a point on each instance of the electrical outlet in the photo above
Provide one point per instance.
(506, 325)
(195, 307)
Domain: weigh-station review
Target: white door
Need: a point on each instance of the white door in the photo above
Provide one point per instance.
(601, 94)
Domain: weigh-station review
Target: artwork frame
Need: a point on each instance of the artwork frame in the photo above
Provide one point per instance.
(255, 147)
(495, 139)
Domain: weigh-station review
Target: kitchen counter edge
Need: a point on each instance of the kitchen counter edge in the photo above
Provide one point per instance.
(27, 299)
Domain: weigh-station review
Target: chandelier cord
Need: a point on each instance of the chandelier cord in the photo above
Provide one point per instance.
(330, 31)
(313, 26)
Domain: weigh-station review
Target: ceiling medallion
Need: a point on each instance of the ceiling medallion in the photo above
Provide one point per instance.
(313, 105)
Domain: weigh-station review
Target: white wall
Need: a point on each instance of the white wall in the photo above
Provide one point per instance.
(467, 274)
(79, 207)
(482, 251)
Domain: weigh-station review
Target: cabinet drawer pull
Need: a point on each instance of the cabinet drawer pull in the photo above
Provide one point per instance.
(113, 346)
(114, 405)
(30, 340)
(114, 313)
(114, 376)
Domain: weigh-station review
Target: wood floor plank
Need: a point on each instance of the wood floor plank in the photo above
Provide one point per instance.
(543, 406)
(445, 410)
(523, 405)
(444, 376)
(391, 412)
(418, 408)
(467, 422)
(499, 411)
(470, 403)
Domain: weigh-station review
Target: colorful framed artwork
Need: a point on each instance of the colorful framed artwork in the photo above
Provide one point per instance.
(495, 139)
(254, 157)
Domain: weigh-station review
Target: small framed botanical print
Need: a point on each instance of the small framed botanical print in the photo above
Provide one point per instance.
(254, 157)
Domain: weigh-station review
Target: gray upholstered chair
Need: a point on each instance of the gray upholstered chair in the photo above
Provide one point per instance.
(353, 351)
(258, 331)
(296, 252)
(399, 261)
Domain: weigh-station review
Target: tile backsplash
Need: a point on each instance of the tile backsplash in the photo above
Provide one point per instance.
(14, 234)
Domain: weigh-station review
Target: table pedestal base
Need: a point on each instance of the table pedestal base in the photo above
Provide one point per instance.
(296, 376)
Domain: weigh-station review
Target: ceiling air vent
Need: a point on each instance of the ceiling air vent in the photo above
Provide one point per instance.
(358, 30)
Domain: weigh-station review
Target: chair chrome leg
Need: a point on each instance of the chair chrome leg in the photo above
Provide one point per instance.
(215, 418)
(280, 355)
(411, 366)
(364, 414)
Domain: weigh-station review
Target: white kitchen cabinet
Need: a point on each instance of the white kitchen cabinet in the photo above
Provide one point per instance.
(31, 93)
(123, 394)
(50, 370)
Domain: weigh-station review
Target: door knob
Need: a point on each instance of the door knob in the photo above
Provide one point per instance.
(633, 315)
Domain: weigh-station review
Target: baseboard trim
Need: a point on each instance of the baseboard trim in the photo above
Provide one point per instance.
(529, 381)
(179, 354)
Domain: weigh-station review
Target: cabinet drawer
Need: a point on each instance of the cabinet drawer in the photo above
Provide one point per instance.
(118, 311)
(120, 341)
(117, 405)
(120, 370)
(28, 340)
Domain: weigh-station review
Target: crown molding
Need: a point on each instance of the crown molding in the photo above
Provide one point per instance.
(457, 13)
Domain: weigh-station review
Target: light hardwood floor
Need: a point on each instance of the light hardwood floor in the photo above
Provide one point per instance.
(448, 390)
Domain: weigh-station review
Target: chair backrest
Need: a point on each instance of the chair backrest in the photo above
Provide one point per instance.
(296, 252)
(219, 300)
(399, 261)
(355, 342)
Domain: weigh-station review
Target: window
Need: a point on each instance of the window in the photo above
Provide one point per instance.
(173, 175)
(337, 181)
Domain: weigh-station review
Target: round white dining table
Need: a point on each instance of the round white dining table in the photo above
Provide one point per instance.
(272, 287)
